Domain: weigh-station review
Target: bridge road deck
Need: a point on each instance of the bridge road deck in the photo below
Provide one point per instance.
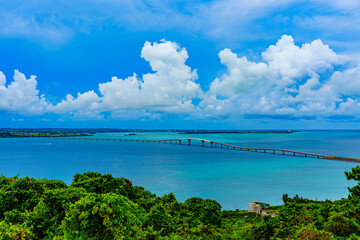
(215, 144)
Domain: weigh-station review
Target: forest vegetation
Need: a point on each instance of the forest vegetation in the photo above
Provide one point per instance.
(100, 206)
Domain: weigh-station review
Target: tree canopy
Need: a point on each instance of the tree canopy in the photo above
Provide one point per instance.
(101, 206)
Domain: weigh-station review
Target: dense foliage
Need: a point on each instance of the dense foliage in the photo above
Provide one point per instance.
(96, 206)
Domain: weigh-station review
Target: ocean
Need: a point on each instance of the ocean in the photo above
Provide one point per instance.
(233, 178)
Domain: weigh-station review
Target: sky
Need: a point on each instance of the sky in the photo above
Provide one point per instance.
(224, 64)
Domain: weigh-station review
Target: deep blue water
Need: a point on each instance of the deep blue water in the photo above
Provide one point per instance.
(234, 178)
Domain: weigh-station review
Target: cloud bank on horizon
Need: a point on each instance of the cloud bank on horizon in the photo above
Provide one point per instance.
(307, 81)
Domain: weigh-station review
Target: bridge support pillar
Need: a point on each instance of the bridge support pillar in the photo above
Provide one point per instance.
(227, 146)
(211, 144)
(264, 151)
(294, 154)
(273, 151)
(283, 152)
(202, 143)
(179, 141)
(305, 155)
(220, 145)
(189, 140)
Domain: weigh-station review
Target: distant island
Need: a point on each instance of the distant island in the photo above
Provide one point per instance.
(130, 134)
(234, 131)
(41, 132)
(80, 132)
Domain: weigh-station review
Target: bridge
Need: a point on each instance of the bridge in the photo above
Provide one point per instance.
(215, 144)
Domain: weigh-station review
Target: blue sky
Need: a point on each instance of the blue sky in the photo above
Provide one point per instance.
(222, 64)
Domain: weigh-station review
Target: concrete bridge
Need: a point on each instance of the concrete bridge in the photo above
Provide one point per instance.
(215, 144)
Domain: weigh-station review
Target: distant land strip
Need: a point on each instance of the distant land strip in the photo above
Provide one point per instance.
(215, 144)
(72, 132)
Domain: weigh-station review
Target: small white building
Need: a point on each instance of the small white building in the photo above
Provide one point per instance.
(258, 207)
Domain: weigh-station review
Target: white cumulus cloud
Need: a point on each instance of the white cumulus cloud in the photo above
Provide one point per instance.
(169, 89)
(290, 80)
(87, 100)
(307, 81)
(347, 81)
(292, 61)
(242, 75)
(21, 95)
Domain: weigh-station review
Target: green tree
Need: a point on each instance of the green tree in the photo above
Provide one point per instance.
(206, 211)
(95, 182)
(15, 231)
(23, 193)
(159, 220)
(354, 175)
(102, 216)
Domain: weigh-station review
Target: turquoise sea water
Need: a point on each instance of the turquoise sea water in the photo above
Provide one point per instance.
(234, 178)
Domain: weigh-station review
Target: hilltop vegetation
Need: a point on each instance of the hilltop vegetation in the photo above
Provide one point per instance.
(96, 206)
